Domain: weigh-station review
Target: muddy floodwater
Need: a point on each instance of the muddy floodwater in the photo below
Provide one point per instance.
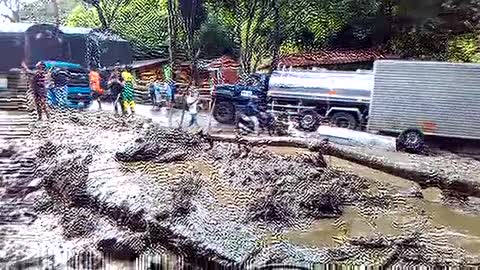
(149, 190)
(462, 228)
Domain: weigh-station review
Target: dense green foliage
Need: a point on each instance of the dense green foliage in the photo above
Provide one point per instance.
(254, 30)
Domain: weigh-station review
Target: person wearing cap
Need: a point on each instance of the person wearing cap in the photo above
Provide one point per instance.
(38, 81)
(127, 93)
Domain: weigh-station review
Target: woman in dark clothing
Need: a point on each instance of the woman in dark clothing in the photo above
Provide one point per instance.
(115, 83)
(38, 80)
(60, 80)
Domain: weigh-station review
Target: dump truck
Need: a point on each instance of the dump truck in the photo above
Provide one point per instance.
(419, 99)
(343, 97)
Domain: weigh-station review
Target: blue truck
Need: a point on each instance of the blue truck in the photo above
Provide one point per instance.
(79, 94)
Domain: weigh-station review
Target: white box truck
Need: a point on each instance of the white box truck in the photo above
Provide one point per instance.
(418, 98)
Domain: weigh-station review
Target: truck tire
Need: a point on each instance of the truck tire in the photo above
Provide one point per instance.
(224, 112)
(344, 120)
(309, 120)
(410, 141)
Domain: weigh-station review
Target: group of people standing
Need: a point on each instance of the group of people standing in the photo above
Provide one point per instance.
(162, 92)
(56, 80)
(120, 84)
(166, 92)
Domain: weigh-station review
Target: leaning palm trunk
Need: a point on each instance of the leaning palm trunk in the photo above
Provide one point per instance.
(425, 176)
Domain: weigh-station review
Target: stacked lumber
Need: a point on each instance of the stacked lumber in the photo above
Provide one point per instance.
(15, 126)
(142, 95)
(17, 96)
(150, 74)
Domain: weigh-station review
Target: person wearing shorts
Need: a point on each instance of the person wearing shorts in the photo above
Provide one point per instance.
(38, 81)
(127, 93)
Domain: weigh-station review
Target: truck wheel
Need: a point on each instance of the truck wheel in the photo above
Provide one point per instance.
(344, 120)
(410, 141)
(309, 120)
(224, 112)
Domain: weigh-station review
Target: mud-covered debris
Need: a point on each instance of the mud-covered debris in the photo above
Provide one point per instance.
(66, 181)
(38, 262)
(273, 206)
(164, 145)
(184, 192)
(78, 222)
(419, 247)
(276, 190)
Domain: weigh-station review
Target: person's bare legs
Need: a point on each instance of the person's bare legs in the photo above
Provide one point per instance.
(39, 112)
(45, 109)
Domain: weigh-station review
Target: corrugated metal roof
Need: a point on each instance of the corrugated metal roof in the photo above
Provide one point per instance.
(224, 62)
(331, 57)
(145, 63)
(75, 30)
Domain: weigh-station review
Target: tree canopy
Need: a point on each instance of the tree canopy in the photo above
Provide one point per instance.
(258, 30)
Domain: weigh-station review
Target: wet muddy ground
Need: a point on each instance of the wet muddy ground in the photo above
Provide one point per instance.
(226, 214)
(461, 226)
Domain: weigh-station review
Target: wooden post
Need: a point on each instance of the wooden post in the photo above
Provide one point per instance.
(211, 106)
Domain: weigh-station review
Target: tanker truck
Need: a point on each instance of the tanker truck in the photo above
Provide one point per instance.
(342, 97)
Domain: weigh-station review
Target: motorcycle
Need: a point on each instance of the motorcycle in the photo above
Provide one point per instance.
(260, 122)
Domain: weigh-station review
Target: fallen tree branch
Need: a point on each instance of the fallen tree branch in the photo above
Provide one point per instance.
(425, 177)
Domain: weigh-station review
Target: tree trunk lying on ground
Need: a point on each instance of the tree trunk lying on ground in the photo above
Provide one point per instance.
(424, 176)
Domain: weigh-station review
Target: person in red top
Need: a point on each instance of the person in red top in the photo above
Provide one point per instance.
(95, 86)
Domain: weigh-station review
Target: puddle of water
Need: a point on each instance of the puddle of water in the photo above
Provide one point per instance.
(325, 232)
(463, 229)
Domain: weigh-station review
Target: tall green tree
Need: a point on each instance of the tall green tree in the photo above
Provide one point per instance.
(82, 16)
(144, 23)
(250, 23)
(107, 10)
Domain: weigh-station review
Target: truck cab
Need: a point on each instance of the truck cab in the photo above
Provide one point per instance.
(232, 98)
(78, 86)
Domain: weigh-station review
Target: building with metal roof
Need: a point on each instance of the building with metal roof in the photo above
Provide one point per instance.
(42, 42)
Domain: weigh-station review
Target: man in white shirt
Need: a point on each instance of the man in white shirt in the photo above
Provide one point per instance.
(192, 102)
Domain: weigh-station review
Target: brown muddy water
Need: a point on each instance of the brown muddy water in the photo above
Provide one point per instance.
(462, 229)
